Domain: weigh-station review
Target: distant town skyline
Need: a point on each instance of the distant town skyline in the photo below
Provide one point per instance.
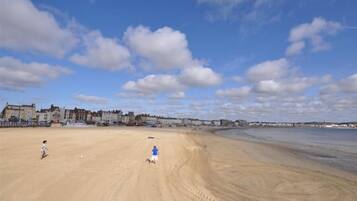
(56, 116)
(260, 60)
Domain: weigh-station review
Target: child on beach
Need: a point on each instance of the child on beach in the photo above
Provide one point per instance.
(44, 149)
(155, 154)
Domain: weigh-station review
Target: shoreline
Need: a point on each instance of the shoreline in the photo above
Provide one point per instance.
(313, 157)
(235, 160)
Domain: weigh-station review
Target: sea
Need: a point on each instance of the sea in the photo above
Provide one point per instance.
(331, 146)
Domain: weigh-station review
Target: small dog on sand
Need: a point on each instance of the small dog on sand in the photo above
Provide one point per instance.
(150, 161)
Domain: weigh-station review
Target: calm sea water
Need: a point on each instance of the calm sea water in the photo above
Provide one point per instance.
(334, 147)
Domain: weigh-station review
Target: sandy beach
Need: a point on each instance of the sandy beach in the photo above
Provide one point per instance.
(109, 164)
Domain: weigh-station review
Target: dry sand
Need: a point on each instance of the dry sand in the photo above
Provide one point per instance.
(109, 164)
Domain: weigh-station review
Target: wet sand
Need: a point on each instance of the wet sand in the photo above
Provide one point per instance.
(110, 164)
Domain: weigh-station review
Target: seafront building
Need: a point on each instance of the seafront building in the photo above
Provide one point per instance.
(146, 119)
(110, 117)
(26, 113)
(54, 114)
(57, 115)
(60, 115)
(167, 121)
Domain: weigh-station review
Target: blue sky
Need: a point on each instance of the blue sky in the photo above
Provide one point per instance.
(266, 60)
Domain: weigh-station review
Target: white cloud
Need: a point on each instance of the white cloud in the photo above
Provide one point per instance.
(16, 75)
(268, 86)
(344, 103)
(153, 84)
(287, 108)
(281, 99)
(165, 48)
(346, 85)
(281, 77)
(314, 33)
(23, 27)
(310, 30)
(299, 84)
(199, 77)
(349, 84)
(174, 85)
(285, 86)
(271, 69)
(101, 52)
(178, 95)
(295, 48)
(91, 99)
(258, 107)
(234, 92)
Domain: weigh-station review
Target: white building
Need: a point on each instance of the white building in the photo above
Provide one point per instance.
(170, 121)
(19, 112)
(43, 116)
(147, 119)
(206, 122)
(187, 122)
(216, 122)
(111, 117)
(197, 122)
(69, 116)
(55, 114)
(62, 115)
(96, 118)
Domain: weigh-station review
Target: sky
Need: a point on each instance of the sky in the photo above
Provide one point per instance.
(258, 60)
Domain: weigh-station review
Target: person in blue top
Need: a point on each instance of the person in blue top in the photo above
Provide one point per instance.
(155, 154)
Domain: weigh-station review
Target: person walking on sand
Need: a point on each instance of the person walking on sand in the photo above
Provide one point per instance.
(155, 154)
(44, 149)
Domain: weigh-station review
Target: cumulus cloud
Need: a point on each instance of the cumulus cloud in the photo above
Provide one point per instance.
(91, 99)
(295, 48)
(190, 77)
(153, 84)
(234, 92)
(290, 94)
(199, 77)
(284, 99)
(271, 69)
(342, 103)
(268, 86)
(346, 85)
(23, 27)
(274, 78)
(312, 32)
(101, 52)
(285, 86)
(165, 48)
(16, 75)
(300, 84)
(178, 95)
(349, 84)
(287, 108)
